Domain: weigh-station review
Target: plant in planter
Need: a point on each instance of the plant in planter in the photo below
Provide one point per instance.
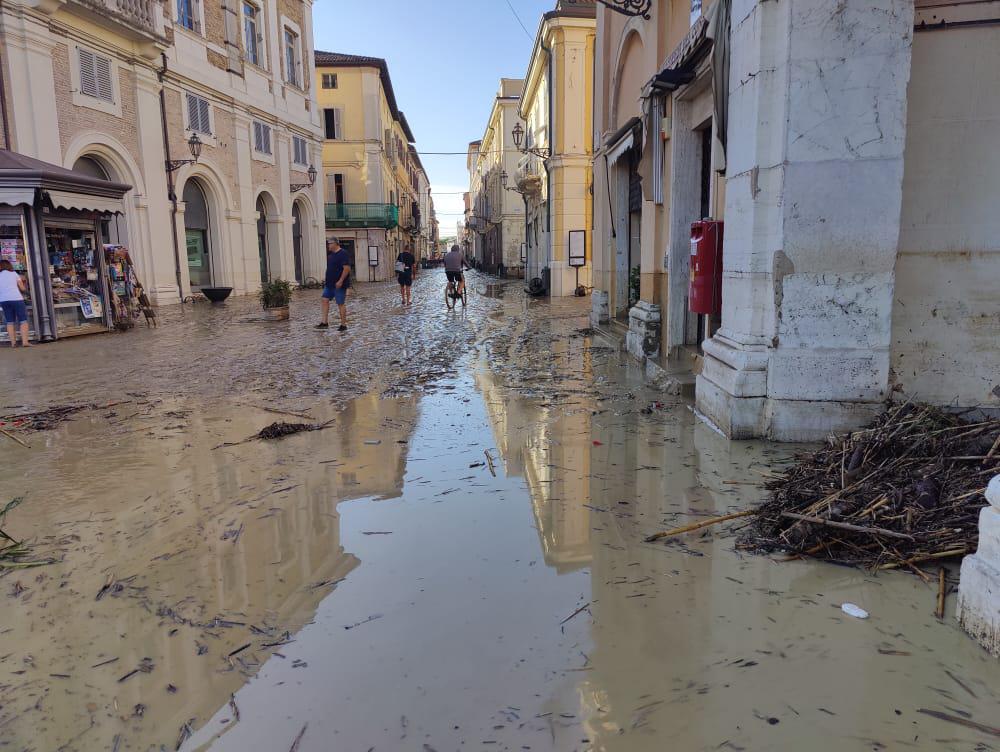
(275, 295)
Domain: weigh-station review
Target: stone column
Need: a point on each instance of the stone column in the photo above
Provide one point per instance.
(979, 588)
(813, 198)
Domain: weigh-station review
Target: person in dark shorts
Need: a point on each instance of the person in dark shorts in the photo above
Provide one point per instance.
(336, 284)
(454, 263)
(405, 265)
(15, 310)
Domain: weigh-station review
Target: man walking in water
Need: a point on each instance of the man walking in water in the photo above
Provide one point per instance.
(337, 283)
(454, 263)
(405, 266)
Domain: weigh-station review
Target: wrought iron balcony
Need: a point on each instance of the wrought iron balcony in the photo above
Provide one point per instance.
(385, 216)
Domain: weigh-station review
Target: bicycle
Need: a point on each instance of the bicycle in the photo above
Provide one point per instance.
(452, 295)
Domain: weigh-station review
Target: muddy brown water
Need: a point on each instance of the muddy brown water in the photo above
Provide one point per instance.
(373, 586)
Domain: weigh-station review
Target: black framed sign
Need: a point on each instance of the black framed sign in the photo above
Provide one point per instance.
(373, 255)
(577, 248)
(524, 252)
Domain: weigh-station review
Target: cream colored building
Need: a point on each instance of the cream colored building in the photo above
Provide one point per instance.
(377, 192)
(554, 172)
(498, 213)
(113, 87)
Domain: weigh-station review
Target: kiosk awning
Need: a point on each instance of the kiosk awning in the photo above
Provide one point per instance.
(83, 202)
(17, 196)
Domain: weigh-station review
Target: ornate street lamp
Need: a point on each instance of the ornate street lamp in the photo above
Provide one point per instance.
(194, 146)
(311, 172)
(629, 7)
(518, 134)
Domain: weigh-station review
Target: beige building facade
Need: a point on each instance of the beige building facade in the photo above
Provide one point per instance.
(555, 172)
(117, 89)
(498, 213)
(377, 191)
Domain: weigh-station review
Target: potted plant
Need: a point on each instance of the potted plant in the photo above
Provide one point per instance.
(275, 296)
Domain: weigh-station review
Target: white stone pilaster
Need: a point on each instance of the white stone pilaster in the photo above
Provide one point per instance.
(979, 588)
(813, 199)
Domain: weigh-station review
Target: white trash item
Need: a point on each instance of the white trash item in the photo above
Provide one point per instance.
(856, 611)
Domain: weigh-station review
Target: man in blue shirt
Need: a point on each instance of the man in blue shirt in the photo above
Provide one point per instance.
(337, 283)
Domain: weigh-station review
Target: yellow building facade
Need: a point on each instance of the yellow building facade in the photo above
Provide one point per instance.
(377, 193)
(555, 172)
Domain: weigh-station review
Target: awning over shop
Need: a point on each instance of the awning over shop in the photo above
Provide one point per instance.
(17, 196)
(21, 175)
(84, 202)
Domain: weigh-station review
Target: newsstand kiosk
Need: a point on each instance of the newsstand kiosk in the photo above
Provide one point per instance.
(50, 232)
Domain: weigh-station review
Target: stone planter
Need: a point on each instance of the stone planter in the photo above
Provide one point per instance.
(276, 314)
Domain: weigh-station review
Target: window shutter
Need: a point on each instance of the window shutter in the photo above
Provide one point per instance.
(336, 124)
(267, 138)
(257, 138)
(193, 121)
(102, 71)
(203, 120)
(88, 74)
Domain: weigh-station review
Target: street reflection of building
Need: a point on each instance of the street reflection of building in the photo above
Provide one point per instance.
(550, 448)
(248, 535)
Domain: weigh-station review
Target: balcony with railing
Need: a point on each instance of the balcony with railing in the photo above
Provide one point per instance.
(529, 174)
(140, 19)
(385, 216)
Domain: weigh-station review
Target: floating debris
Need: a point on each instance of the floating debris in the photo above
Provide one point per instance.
(13, 552)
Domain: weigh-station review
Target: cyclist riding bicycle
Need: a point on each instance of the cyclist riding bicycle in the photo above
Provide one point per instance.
(454, 264)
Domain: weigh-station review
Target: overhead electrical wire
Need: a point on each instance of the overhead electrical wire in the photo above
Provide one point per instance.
(519, 21)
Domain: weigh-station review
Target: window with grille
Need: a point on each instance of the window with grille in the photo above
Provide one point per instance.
(292, 58)
(198, 115)
(187, 15)
(95, 75)
(261, 137)
(300, 151)
(329, 80)
(332, 123)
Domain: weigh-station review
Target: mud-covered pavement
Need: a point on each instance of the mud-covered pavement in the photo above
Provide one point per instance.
(374, 586)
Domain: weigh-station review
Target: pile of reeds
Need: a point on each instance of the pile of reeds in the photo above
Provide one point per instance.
(906, 490)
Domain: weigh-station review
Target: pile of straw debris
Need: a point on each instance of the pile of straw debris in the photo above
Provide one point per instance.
(905, 491)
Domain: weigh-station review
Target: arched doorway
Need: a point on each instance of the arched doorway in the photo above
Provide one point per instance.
(114, 230)
(297, 241)
(265, 272)
(196, 234)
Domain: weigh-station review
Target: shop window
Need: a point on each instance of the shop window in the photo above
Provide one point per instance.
(96, 75)
(292, 58)
(261, 137)
(300, 151)
(329, 80)
(332, 118)
(198, 115)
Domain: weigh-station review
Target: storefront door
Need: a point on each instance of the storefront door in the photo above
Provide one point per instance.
(265, 274)
(196, 237)
(14, 249)
(297, 242)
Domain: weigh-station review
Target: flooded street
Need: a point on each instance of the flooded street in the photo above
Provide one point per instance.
(455, 562)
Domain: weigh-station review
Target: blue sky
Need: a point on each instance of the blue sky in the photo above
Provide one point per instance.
(446, 58)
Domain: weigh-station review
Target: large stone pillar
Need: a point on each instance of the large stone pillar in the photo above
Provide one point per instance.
(815, 165)
(979, 588)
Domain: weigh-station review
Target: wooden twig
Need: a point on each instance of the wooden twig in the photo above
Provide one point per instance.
(489, 459)
(846, 526)
(12, 437)
(700, 525)
(582, 608)
(942, 586)
(960, 721)
(926, 557)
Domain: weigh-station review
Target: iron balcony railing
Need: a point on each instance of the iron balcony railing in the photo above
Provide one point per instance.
(362, 215)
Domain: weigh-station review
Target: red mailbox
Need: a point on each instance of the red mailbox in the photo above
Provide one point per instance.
(705, 290)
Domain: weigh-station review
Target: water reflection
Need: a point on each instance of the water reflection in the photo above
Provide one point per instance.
(205, 550)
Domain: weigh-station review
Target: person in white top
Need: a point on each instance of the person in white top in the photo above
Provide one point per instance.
(15, 312)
